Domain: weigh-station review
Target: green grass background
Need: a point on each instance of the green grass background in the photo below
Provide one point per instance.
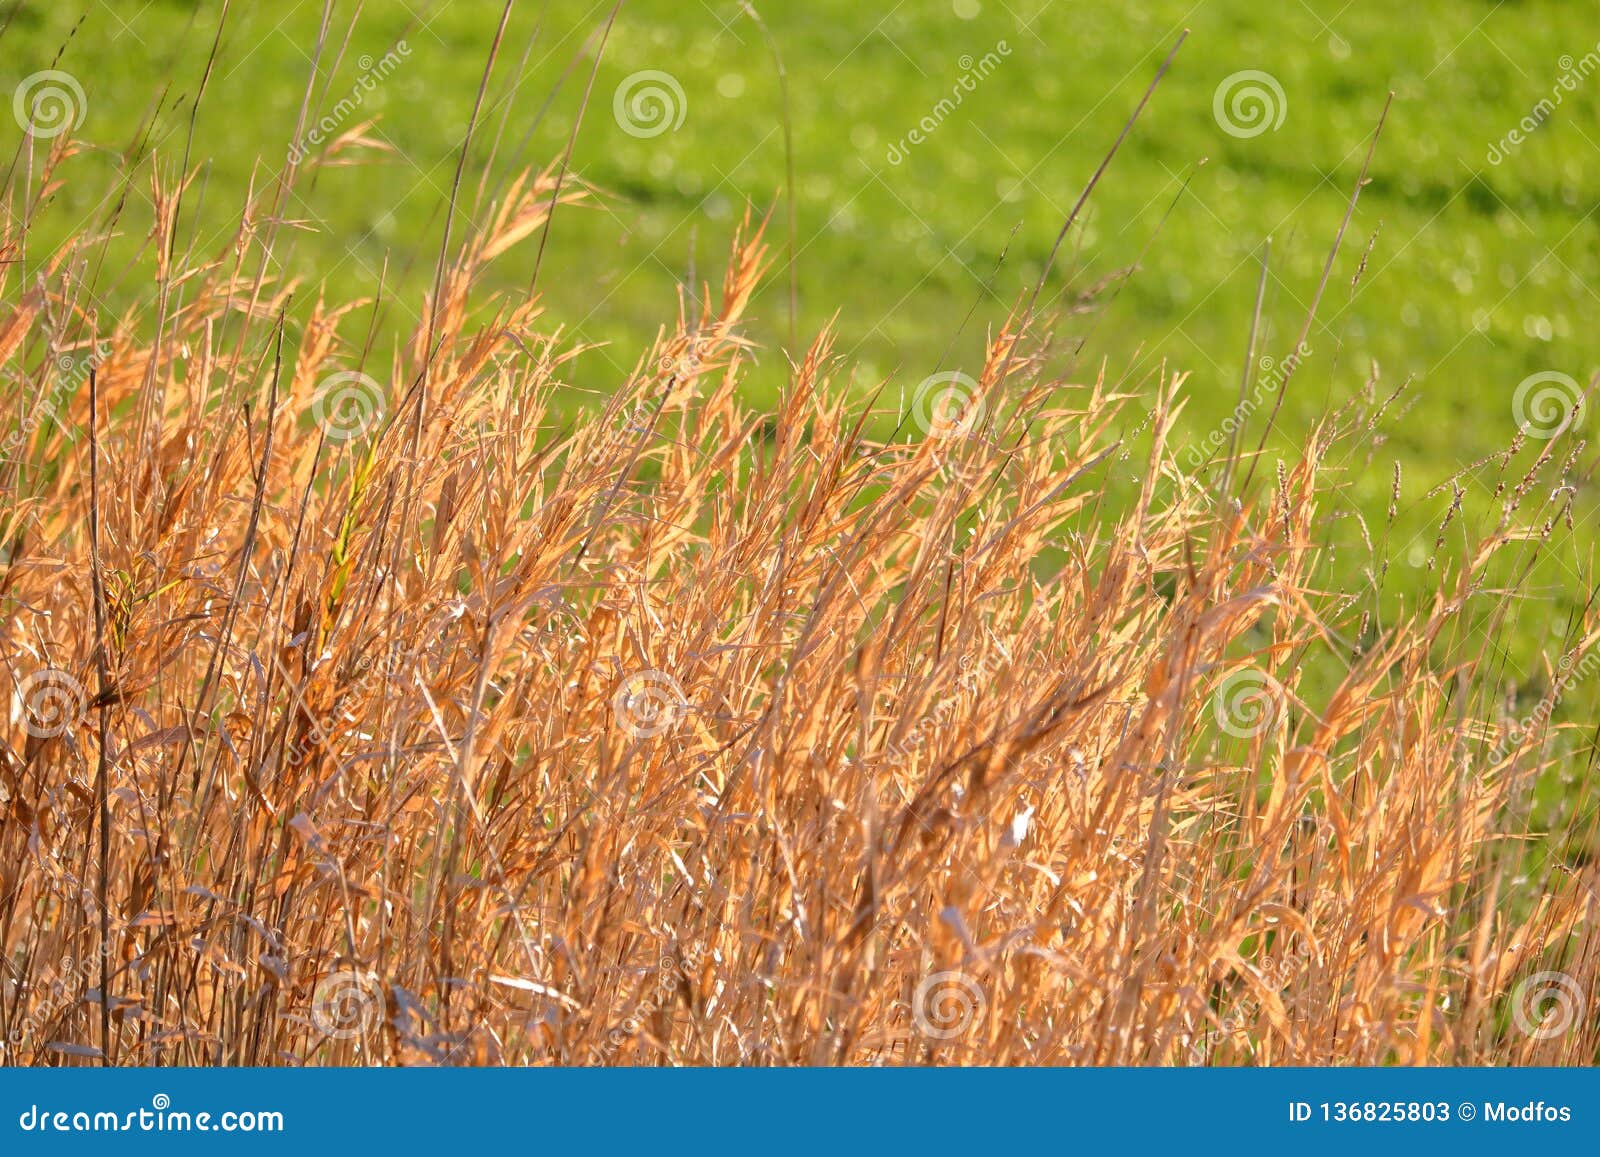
(1480, 275)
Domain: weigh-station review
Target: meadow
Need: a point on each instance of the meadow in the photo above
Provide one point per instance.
(1479, 276)
(503, 604)
(1474, 275)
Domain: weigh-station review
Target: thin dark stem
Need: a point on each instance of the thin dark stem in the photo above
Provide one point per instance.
(572, 142)
(1292, 361)
(102, 701)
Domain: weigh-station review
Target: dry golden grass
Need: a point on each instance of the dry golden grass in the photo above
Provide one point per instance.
(694, 735)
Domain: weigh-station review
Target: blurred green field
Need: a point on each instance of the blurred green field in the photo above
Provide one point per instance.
(1480, 275)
